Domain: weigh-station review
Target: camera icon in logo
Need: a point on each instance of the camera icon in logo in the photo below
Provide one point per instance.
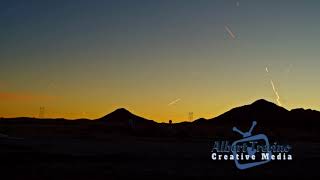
(247, 138)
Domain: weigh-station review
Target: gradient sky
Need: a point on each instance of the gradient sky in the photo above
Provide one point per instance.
(81, 58)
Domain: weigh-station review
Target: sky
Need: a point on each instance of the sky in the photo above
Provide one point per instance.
(160, 59)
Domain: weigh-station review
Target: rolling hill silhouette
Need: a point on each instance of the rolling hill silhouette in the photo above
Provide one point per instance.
(265, 112)
(122, 141)
(261, 110)
(270, 115)
(271, 118)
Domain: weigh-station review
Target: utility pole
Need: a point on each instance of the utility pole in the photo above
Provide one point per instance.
(41, 112)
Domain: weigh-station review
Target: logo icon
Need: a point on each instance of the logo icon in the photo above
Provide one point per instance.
(248, 138)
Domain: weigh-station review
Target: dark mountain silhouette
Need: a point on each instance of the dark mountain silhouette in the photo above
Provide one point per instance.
(266, 113)
(122, 121)
(271, 118)
(123, 116)
(122, 141)
(261, 110)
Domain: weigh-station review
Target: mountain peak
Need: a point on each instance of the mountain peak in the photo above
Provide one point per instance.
(121, 110)
(260, 109)
(262, 102)
(122, 115)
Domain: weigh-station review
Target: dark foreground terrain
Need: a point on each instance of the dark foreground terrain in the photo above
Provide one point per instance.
(122, 145)
(128, 157)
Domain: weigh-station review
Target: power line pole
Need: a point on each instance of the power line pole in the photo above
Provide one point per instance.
(41, 112)
(190, 116)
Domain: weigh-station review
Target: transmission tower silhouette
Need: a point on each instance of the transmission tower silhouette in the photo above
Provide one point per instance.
(41, 112)
(190, 115)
